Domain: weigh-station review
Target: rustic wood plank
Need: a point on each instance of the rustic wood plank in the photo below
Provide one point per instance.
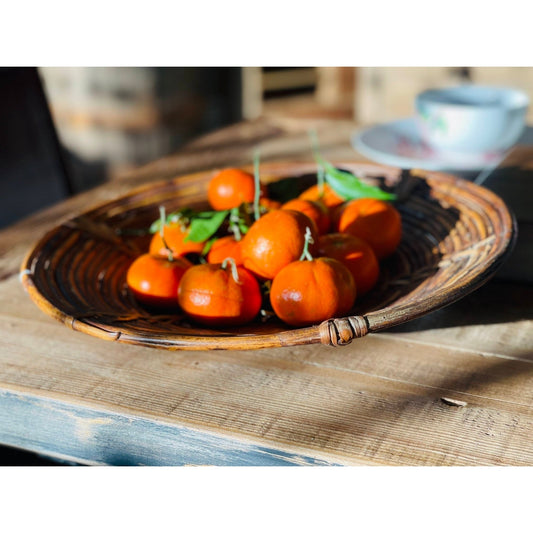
(368, 403)
(316, 410)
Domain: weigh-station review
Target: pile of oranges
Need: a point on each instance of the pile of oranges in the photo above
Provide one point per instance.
(305, 261)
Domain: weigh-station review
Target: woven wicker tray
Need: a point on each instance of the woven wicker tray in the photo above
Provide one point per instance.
(455, 236)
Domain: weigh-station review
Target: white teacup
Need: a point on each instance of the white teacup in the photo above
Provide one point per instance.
(471, 118)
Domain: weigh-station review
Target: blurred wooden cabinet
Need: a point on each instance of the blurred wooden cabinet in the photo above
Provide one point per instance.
(298, 91)
(367, 94)
(130, 115)
(122, 117)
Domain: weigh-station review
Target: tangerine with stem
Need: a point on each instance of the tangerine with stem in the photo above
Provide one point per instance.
(174, 238)
(275, 240)
(310, 291)
(220, 294)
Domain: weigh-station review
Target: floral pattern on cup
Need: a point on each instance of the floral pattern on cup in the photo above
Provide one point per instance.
(434, 122)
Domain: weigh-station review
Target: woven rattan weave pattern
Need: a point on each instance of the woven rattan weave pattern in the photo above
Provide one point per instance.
(455, 236)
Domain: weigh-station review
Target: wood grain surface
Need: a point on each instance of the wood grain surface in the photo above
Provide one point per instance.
(452, 388)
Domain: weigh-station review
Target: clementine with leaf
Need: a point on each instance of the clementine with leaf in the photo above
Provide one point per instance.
(375, 221)
(154, 280)
(220, 294)
(354, 253)
(175, 237)
(275, 240)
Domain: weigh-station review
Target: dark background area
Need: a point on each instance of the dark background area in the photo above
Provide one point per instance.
(106, 123)
(13, 457)
(32, 168)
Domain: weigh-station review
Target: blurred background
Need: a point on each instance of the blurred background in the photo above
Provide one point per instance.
(73, 128)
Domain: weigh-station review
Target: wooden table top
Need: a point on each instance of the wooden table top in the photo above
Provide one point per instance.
(452, 388)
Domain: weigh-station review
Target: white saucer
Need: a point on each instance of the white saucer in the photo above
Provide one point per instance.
(398, 144)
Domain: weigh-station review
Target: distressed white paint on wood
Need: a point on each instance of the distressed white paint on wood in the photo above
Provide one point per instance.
(95, 437)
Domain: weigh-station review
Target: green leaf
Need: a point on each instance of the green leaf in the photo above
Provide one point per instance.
(207, 215)
(208, 245)
(344, 183)
(350, 187)
(155, 226)
(205, 225)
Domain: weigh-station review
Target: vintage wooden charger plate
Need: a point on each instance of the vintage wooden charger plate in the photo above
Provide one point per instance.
(455, 236)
